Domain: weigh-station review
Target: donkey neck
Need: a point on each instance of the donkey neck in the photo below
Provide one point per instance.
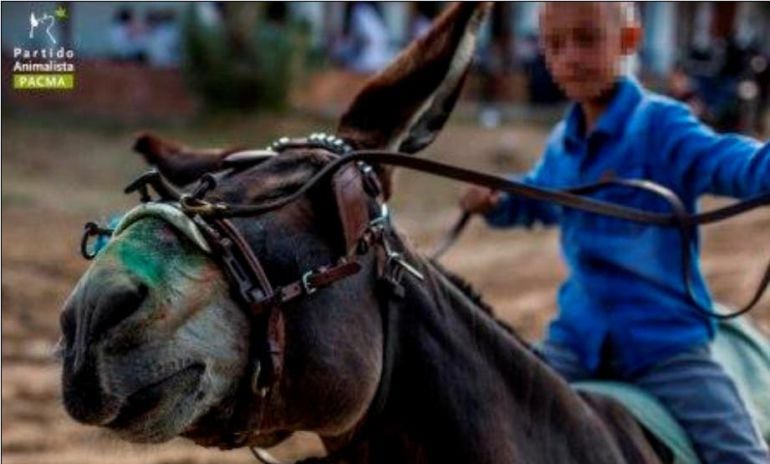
(463, 389)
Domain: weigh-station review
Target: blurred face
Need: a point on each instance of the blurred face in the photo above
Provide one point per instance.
(584, 44)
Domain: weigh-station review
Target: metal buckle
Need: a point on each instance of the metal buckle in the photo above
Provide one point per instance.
(192, 205)
(306, 285)
(395, 257)
(382, 218)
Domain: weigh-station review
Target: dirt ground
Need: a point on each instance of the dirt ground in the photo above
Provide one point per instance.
(60, 172)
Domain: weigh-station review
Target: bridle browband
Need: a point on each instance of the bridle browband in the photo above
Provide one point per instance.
(352, 176)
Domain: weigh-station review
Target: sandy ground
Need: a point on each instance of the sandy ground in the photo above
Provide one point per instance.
(58, 173)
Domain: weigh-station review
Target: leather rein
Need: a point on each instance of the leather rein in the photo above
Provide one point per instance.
(356, 185)
(575, 198)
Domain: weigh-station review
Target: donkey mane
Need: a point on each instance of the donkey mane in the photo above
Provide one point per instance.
(463, 285)
(475, 297)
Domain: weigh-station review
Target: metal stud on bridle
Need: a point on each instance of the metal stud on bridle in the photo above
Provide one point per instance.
(322, 140)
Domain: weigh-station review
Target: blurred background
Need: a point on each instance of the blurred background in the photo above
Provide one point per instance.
(311, 55)
(220, 74)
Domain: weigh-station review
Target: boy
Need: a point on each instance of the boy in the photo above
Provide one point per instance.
(624, 304)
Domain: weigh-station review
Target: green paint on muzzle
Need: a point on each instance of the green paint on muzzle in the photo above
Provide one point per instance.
(152, 250)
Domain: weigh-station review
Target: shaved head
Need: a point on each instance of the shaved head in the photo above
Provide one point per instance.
(620, 13)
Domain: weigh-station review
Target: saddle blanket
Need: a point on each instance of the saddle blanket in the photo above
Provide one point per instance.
(744, 354)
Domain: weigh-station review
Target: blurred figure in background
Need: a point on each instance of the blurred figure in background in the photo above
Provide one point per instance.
(754, 89)
(760, 66)
(681, 87)
(494, 63)
(127, 37)
(163, 48)
(541, 86)
(424, 14)
(717, 68)
(365, 45)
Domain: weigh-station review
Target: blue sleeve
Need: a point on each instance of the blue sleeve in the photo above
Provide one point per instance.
(707, 162)
(519, 211)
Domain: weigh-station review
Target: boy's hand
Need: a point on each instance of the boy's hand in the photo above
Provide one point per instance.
(480, 200)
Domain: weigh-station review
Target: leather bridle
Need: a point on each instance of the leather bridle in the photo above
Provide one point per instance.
(356, 186)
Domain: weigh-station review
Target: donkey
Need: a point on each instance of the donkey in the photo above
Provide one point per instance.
(416, 370)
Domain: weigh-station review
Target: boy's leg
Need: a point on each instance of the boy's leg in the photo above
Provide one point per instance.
(704, 399)
(563, 360)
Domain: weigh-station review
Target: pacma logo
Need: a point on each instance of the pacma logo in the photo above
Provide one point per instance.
(46, 22)
(44, 67)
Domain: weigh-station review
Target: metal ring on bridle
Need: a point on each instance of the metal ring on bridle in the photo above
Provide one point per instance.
(92, 229)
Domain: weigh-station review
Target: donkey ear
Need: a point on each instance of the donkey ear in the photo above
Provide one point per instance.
(406, 105)
(178, 163)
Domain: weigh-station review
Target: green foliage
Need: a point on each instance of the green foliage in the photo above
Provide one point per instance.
(233, 67)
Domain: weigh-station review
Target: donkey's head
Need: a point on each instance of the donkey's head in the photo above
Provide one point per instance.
(155, 345)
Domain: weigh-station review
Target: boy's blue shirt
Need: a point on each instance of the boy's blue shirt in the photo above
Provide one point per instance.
(625, 283)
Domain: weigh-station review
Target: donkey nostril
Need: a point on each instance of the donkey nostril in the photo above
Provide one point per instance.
(116, 305)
